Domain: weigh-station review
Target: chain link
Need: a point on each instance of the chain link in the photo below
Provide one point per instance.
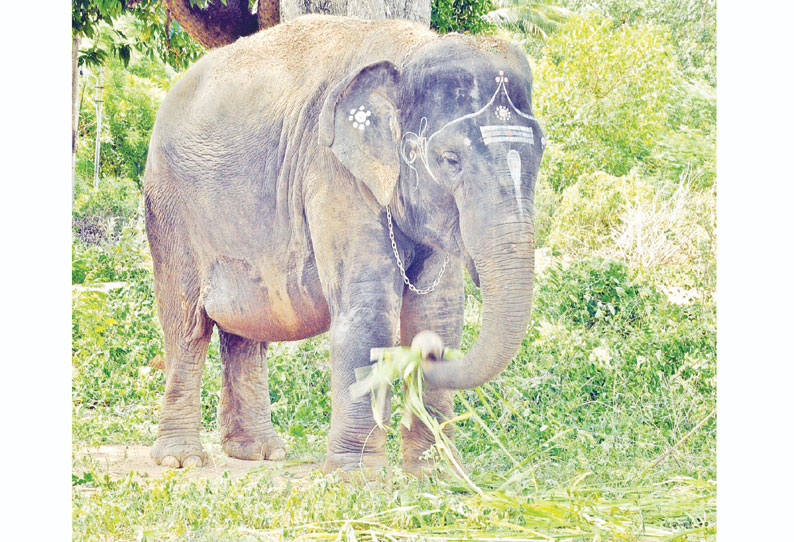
(420, 291)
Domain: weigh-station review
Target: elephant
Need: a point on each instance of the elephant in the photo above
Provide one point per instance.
(340, 175)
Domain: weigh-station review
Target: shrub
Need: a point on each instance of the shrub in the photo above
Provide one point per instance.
(594, 292)
(455, 16)
(588, 211)
(131, 100)
(603, 92)
(686, 152)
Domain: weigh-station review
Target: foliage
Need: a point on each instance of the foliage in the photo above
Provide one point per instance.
(131, 98)
(693, 24)
(131, 107)
(605, 92)
(115, 28)
(592, 292)
(466, 17)
(589, 210)
(531, 19)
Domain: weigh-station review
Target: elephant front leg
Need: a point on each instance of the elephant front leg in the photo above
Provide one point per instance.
(247, 430)
(440, 311)
(355, 441)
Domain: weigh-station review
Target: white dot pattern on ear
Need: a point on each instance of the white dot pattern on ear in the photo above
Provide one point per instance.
(359, 117)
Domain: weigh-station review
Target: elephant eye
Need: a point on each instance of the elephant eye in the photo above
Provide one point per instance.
(449, 161)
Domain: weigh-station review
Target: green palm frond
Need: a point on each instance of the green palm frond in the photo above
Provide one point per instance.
(537, 19)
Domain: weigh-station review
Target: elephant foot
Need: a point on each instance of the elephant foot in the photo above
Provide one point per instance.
(175, 451)
(420, 462)
(366, 464)
(270, 448)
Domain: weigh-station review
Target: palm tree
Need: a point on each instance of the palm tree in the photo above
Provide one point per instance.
(537, 19)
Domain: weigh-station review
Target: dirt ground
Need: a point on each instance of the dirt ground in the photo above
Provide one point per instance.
(119, 460)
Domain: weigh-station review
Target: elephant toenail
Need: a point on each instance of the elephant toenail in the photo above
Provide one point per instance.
(170, 461)
(279, 454)
(192, 461)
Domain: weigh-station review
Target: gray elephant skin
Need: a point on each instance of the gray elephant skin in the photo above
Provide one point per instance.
(271, 168)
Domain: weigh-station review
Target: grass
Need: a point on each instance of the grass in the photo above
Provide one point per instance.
(602, 428)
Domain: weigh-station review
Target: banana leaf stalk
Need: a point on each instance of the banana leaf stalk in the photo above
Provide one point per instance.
(406, 364)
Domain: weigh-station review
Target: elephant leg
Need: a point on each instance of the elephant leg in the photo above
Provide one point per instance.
(440, 311)
(244, 414)
(354, 440)
(364, 292)
(187, 334)
(186, 331)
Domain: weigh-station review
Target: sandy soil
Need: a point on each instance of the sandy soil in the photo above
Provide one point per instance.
(119, 460)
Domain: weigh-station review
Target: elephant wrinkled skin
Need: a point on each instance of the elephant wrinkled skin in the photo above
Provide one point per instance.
(271, 167)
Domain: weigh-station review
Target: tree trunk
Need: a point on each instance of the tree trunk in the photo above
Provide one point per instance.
(100, 93)
(75, 108)
(418, 11)
(220, 24)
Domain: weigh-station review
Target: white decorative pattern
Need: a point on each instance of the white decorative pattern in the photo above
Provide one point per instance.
(514, 166)
(502, 113)
(419, 143)
(359, 117)
(501, 134)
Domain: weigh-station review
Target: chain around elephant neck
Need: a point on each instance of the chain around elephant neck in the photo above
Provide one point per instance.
(420, 291)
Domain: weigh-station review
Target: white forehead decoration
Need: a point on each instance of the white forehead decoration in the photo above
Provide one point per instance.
(496, 114)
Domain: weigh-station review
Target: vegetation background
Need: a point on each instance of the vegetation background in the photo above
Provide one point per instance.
(602, 428)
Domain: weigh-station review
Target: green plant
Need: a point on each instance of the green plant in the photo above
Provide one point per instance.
(595, 292)
(536, 19)
(466, 17)
(131, 100)
(588, 211)
(603, 93)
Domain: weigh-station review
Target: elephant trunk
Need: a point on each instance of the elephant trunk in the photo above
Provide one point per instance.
(506, 272)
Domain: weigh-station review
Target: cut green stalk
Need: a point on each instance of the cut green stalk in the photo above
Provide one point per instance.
(406, 363)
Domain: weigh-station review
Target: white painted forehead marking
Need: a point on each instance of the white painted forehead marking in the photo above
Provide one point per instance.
(514, 166)
(503, 112)
(500, 134)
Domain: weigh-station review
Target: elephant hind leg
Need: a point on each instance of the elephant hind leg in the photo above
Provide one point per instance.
(247, 430)
(186, 330)
(187, 333)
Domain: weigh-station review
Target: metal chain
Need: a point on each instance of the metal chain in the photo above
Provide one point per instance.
(420, 291)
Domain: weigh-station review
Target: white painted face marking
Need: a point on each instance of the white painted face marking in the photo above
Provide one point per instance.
(507, 133)
(514, 166)
(503, 111)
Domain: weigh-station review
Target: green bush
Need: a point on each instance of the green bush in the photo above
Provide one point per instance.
(116, 197)
(594, 292)
(108, 241)
(131, 98)
(465, 17)
(608, 368)
(692, 24)
(603, 93)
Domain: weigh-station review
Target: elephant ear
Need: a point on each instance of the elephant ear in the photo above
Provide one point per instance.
(359, 121)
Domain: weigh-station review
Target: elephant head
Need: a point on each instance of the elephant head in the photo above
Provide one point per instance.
(448, 141)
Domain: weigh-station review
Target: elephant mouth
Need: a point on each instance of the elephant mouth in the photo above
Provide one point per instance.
(471, 268)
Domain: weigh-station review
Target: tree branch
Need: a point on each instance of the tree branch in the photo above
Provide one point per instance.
(218, 24)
